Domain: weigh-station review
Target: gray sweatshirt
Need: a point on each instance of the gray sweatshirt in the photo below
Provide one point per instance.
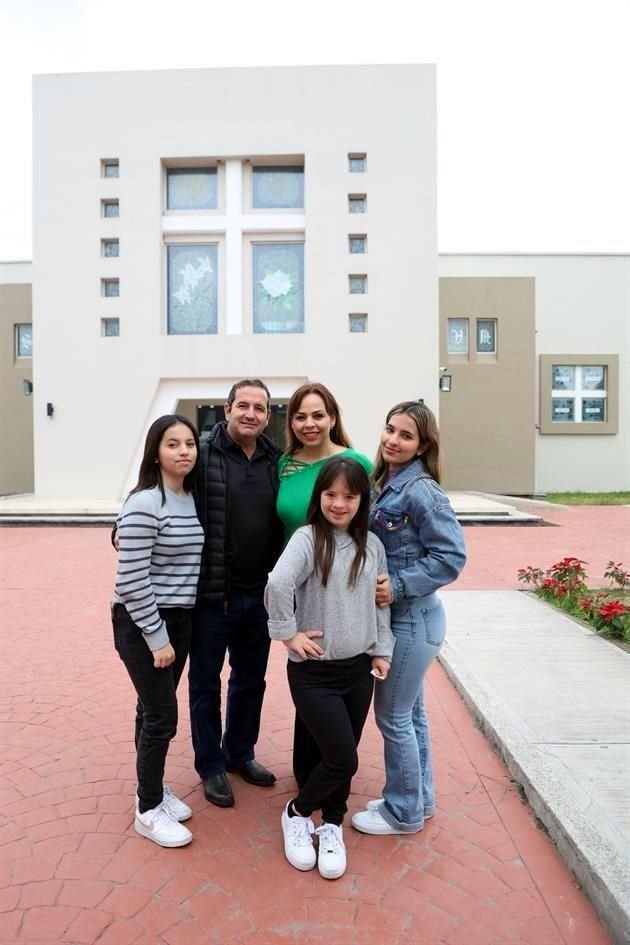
(351, 621)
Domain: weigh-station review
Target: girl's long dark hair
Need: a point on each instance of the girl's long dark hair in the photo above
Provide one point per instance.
(150, 474)
(337, 433)
(429, 434)
(358, 483)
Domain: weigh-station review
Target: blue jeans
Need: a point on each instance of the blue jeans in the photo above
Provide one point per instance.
(419, 626)
(240, 630)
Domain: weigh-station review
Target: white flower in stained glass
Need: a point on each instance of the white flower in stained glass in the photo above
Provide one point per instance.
(204, 265)
(183, 295)
(276, 284)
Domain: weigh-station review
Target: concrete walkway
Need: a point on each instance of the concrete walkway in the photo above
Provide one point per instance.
(72, 869)
(554, 698)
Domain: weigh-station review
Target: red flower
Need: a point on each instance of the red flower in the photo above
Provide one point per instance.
(585, 604)
(550, 582)
(612, 609)
(561, 589)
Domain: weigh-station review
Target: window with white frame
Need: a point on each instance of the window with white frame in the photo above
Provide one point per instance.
(193, 298)
(110, 288)
(110, 327)
(457, 336)
(486, 336)
(110, 247)
(110, 167)
(357, 243)
(278, 287)
(357, 203)
(578, 393)
(278, 187)
(357, 163)
(110, 208)
(191, 188)
(357, 322)
(24, 340)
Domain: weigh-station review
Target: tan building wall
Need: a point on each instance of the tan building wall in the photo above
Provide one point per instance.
(16, 413)
(488, 418)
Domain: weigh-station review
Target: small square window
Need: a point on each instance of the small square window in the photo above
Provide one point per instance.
(357, 244)
(357, 203)
(562, 409)
(358, 322)
(110, 288)
(110, 208)
(357, 285)
(24, 341)
(110, 167)
(110, 248)
(110, 327)
(191, 188)
(486, 336)
(357, 163)
(457, 336)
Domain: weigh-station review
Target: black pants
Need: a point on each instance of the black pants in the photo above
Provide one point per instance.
(332, 699)
(240, 630)
(156, 708)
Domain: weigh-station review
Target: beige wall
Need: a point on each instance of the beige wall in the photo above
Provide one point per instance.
(487, 419)
(16, 424)
(118, 385)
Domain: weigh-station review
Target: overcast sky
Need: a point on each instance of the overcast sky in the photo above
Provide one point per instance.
(533, 96)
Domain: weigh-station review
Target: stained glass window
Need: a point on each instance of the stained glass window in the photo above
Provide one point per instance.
(486, 335)
(110, 288)
(358, 323)
(110, 247)
(278, 287)
(24, 341)
(276, 188)
(110, 327)
(191, 188)
(357, 285)
(193, 289)
(357, 244)
(457, 336)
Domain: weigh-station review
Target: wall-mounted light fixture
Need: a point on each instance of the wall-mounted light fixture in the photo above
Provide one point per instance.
(446, 381)
(27, 387)
(49, 410)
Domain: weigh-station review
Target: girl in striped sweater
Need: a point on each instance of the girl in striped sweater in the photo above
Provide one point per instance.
(160, 545)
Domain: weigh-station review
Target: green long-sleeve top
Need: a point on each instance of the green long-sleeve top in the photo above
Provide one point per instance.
(297, 480)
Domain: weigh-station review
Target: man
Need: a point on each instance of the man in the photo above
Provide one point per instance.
(235, 495)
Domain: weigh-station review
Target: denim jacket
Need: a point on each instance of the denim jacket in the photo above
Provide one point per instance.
(423, 540)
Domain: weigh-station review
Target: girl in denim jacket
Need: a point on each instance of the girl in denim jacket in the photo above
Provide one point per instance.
(425, 550)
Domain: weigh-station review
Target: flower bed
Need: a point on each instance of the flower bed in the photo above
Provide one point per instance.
(564, 584)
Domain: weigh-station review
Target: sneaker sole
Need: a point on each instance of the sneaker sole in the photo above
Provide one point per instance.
(336, 875)
(300, 866)
(375, 804)
(142, 830)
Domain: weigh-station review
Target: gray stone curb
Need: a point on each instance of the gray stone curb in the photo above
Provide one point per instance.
(595, 863)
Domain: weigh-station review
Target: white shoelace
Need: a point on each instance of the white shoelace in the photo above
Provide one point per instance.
(301, 830)
(329, 840)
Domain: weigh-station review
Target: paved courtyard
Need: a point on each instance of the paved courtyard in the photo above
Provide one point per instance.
(73, 870)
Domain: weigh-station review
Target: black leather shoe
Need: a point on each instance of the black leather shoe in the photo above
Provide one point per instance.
(218, 790)
(254, 773)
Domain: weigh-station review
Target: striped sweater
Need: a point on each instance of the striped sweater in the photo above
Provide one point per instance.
(158, 560)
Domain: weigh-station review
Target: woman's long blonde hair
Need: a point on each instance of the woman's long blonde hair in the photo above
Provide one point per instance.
(427, 427)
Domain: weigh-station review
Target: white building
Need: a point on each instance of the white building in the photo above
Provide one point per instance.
(195, 227)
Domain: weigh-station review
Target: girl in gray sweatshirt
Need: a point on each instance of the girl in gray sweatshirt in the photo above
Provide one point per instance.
(321, 603)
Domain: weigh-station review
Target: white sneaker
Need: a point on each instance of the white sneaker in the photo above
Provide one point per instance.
(298, 843)
(376, 803)
(158, 825)
(176, 808)
(331, 860)
(371, 821)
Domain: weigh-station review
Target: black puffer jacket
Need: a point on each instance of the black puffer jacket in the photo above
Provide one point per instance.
(210, 491)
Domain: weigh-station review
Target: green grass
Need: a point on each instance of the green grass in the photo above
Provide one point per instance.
(589, 498)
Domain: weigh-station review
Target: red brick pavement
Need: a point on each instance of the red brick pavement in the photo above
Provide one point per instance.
(72, 869)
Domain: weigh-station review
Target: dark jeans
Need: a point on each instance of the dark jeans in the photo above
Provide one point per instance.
(332, 699)
(240, 630)
(156, 708)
